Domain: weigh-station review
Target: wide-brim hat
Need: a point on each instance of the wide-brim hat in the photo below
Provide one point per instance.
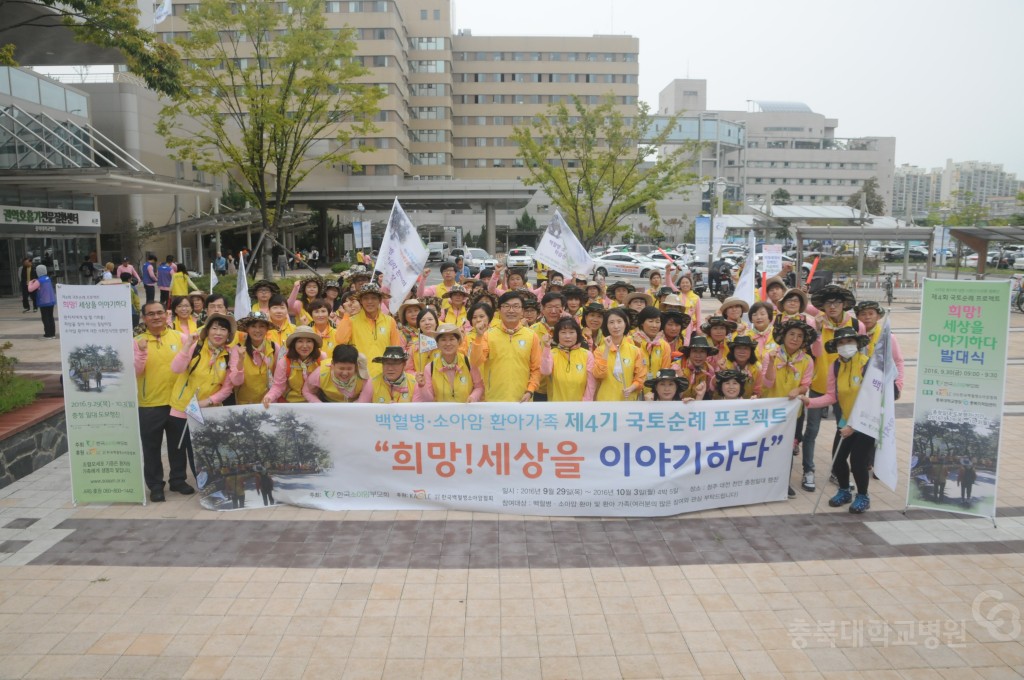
(868, 304)
(730, 326)
(775, 281)
(833, 292)
(371, 289)
(569, 290)
(846, 333)
(665, 291)
(797, 293)
(730, 374)
(357, 272)
(594, 284)
(672, 300)
(201, 294)
(742, 341)
(810, 335)
(411, 302)
(227, 318)
(305, 332)
(332, 283)
(318, 280)
(391, 353)
(593, 308)
(681, 317)
(648, 301)
(253, 317)
(264, 283)
(699, 342)
(449, 329)
(456, 289)
(620, 284)
(734, 302)
(682, 384)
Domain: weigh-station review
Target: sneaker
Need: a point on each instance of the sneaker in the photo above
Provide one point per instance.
(791, 493)
(832, 479)
(860, 503)
(183, 488)
(808, 483)
(156, 495)
(841, 498)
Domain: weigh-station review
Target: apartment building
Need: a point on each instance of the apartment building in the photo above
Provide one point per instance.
(915, 191)
(954, 186)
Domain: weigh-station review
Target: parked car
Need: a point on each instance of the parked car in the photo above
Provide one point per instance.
(438, 250)
(477, 259)
(626, 264)
(520, 257)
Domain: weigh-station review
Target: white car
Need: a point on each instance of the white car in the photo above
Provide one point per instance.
(627, 264)
(520, 257)
(477, 259)
(678, 259)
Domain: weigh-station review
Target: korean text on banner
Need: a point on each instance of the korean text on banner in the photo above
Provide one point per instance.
(562, 251)
(874, 412)
(568, 459)
(100, 397)
(402, 254)
(771, 258)
(958, 408)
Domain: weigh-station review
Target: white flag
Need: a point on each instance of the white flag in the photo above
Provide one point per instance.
(402, 254)
(193, 411)
(213, 278)
(562, 251)
(747, 285)
(162, 12)
(874, 412)
(243, 304)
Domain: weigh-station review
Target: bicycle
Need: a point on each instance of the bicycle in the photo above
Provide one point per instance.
(888, 289)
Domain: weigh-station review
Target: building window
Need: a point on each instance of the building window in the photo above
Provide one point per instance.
(423, 15)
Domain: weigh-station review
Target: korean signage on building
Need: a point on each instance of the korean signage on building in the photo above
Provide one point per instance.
(42, 221)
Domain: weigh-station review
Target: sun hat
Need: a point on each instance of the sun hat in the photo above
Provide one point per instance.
(699, 342)
(227, 318)
(392, 353)
(846, 333)
(734, 302)
(253, 317)
(307, 333)
(682, 384)
(730, 326)
(449, 329)
(833, 292)
(779, 332)
(371, 289)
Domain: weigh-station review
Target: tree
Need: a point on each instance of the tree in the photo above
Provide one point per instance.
(781, 197)
(597, 167)
(876, 204)
(107, 23)
(526, 222)
(271, 98)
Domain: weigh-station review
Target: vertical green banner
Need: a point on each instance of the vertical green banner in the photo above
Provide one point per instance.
(958, 410)
(100, 397)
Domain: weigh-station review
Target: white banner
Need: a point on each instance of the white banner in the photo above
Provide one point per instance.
(100, 396)
(718, 233)
(746, 285)
(702, 237)
(562, 251)
(568, 459)
(402, 254)
(243, 303)
(874, 412)
(771, 259)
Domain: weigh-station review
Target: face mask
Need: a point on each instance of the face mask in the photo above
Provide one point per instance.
(846, 351)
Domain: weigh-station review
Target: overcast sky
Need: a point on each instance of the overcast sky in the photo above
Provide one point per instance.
(944, 77)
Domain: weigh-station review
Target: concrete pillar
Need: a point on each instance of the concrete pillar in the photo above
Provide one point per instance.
(492, 227)
(177, 228)
(199, 253)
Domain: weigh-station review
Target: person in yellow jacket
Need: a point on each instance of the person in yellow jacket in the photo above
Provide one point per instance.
(393, 385)
(262, 291)
(203, 367)
(853, 449)
(154, 350)
(454, 310)
(508, 355)
(651, 341)
(619, 365)
(370, 330)
(568, 366)
(181, 284)
(742, 357)
(480, 314)
(257, 359)
(833, 304)
(447, 376)
(733, 309)
(320, 313)
(294, 364)
(280, 325)
(181, 316)
(340, 381)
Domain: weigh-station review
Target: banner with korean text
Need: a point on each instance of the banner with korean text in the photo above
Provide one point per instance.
(958, 408)
(100, 397)
(570, 459)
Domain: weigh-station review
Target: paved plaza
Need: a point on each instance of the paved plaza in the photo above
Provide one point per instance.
(170, 590)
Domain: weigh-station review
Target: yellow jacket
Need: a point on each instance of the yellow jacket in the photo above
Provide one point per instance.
(153, 376)
(509, 362)
(257, 378)
(370, 337)
(633, 373)
(203, 376)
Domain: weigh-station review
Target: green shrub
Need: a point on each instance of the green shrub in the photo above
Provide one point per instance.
(339, 267)
(848, 265)
(15, 391)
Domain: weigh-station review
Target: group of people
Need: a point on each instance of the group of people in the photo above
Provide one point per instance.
(495, 338)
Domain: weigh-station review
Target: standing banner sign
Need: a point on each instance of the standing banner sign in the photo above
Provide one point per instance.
(772, 259)
(702, 236)
(718, 234)
(874, 411)
(958, 410)
(566, 459)
(100, 397)
(746, 286)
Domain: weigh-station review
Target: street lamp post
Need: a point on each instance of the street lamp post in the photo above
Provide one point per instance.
(718, 185)
(358, 246)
